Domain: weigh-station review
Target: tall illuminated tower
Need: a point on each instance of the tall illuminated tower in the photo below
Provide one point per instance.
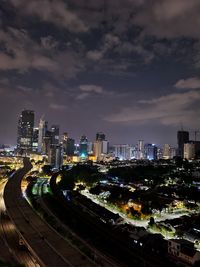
(25, 131)
(41, 133)
(83, 146)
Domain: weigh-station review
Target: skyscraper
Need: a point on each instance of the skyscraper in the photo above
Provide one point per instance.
(100, 136)
(150, 151)
(140, 149)
(41, 134)
(35, 139)
(83, 146)
(100, 146)
(166, 151)
(55, 156)
(25, 131)
(54, 134)
(189, 150)
(68, 145)
(182, 138)
(123, 151)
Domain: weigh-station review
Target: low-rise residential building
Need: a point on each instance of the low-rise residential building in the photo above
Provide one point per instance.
(183, 251)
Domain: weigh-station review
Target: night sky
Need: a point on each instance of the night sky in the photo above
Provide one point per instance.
(129, 68)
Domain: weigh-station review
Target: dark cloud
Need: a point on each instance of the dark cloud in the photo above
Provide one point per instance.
(118, 65)
(168, 110)
(170, 19)
(189, 83)
(55, 12)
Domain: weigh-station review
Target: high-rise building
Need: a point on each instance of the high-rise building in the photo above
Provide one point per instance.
(105, 146)
(68, 145)
(98, 149)
(100, 136)
(182, 138)
(167, 151)
(90, 148)
(140, 149)
(83, 146)
(123, 151)
(55, 156)
(35, 139)
(25, 130)
(46, 143)
(54, 134)
(101, 146)
(43, 126)
(150, 151)
(189, 150)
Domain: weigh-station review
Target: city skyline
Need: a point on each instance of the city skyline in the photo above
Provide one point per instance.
(126, 68)
(193, 133)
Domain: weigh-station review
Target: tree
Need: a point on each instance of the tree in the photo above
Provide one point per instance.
(151, 221)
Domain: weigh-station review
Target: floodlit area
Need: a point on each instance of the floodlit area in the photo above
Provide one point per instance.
(158, 217)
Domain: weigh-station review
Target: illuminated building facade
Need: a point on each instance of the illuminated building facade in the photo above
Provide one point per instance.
(68, 145)
(123, 151)
(54, 134)
(150, 151)
(25, 131)
(83, 146)
(43, 125)
(35, 139)
(166, 151)
(189, 150)
(55, 156)
(140, 149)
(101, 146)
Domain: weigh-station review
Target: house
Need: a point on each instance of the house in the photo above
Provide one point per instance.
(184, 251)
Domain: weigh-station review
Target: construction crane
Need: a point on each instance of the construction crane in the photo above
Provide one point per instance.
(196, 132)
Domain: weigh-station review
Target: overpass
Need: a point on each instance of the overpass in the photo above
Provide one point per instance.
(47, 246)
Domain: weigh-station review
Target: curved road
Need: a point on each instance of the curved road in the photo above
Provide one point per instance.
(48, 248)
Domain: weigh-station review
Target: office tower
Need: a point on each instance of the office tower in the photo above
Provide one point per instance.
(43, 125)
(100, 136)
(35, 139)
(105, 146)
(150, 151)
(123, 151)
(159, 153)
(101, 146)
(90, 148)
(182, 138)
(140, 149)
(98, 149)
(167, 151)
(189, 150)
(54, 134)
(68, 145)
(46, 143)
(83, 146)
(25, 130)
(55, 156)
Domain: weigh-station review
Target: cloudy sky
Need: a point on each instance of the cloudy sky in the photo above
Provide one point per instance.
(129, 68)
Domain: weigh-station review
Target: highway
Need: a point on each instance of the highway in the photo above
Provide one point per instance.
(9, 241)
(47, 247)
(41, 187)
